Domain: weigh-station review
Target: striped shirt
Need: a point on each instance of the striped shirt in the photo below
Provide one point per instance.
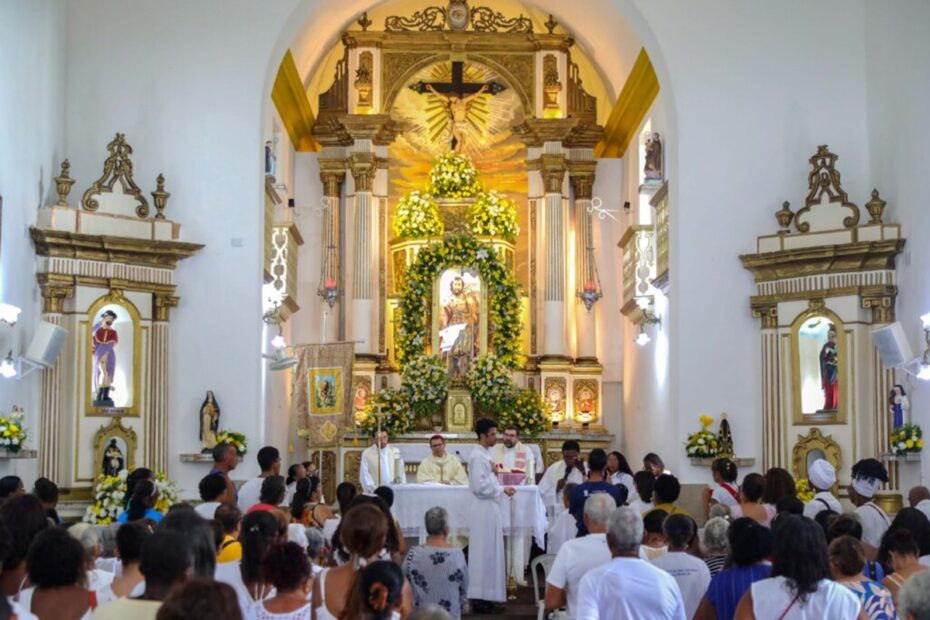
(728, 586)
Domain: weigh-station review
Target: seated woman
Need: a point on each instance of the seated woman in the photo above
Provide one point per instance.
(848, 525)
(56, 565)
(749, 545)
(130, 582)
(306, 508)
(141, 503)
(904, 554)
(800, 585)
(86, 534)
(380, 593)
(287, 568)
(437, 571)
(714, 544)
(846, 562)
(751, 501)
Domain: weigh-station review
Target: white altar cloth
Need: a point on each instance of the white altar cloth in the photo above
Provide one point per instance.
(416, 452)
(411, 501)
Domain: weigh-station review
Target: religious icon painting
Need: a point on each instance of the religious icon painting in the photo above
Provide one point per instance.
(458, 334)
(112, 367)
(585, 401)
(361, 391)
(325, 390)
(554, 394)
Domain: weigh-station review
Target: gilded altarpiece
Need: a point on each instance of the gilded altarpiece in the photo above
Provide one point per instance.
(822, 283)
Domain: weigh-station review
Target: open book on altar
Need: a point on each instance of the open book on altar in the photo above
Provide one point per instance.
(511, 478)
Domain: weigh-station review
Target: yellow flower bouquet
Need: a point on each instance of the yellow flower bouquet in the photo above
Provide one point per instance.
(12, 432)
(704, 443)
(397, 419)
(110, 497)
(416, 216)
(238, 440)
(526, 410)
(492, 214)
(907, 438)
(804, 489)
(454, 176)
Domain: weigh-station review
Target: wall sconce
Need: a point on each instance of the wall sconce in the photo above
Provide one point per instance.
(8, 367)
(9, 313)
(642, 338)
(924, 370)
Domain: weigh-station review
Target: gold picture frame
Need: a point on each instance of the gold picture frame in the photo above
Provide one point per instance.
(814, 440)
(325, 400)
(114, 297)
(838, 416)
(114, 430)
(593, 416)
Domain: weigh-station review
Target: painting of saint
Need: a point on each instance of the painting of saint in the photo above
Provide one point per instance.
(105, 339)
(360, 398)
(459, 321)
(586, 401)
(113, 460)
(555, 398)
(326, 390)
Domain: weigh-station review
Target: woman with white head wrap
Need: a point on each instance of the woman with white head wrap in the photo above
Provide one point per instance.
(822, 476)
(867, 476)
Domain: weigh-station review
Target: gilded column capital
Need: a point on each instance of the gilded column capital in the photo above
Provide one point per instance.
(363, 167)
(54, 296)
(768, 313)
(552, 167)
(581, 174)
(162, 305)
(882, 307)
(332, 174)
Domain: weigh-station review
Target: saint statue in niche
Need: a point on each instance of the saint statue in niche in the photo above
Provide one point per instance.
(652, 169)
(209, 422)
(105, 339)
(830, 372)
(113, 461)
(458, 324)
(899, 404)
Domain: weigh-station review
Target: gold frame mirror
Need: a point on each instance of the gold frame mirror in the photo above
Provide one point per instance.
(811, 358)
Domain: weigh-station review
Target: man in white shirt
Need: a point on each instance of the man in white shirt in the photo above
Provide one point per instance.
(822, 476)
(486, 535)
(512, 455)
(381, 464)
(579, 555)
(919, 498)
(690, 572)
(867, 476)
(569, 469)
(628, 587)
(269, 461)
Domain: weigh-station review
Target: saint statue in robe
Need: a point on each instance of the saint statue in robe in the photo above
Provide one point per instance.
(458, 329)
(113, 461)
(830, 372)
(899, 404)
(209, 422)
(105, 339)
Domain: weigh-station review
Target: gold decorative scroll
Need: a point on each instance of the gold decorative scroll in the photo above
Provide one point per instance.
(430, 18)
(824, 179)
(116, 167)
(483, 19)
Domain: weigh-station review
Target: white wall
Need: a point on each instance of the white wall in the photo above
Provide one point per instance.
(32, 71)
(897, 92)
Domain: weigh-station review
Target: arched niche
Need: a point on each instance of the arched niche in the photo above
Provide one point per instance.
(818, 367)
(113, 353)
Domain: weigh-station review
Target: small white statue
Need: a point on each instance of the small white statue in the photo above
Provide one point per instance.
(899, 405)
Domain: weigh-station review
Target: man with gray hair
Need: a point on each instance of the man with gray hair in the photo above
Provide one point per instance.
(437, 571)
(579, 555)
(628, 587)
(914, 597)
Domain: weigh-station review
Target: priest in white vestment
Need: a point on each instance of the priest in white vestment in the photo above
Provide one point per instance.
(569, 469)
(440, 466)
(486, 536)
(391, 470)
(512, 455)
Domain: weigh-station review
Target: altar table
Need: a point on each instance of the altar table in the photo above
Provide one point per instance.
(416, 452)
(411, 501)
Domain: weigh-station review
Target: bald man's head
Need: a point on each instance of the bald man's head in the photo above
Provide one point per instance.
(917, 495)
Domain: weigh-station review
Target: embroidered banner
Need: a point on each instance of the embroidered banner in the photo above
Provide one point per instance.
(322, 391)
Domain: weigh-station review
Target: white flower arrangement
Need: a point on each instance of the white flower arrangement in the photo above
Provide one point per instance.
(454, 176)
(426, 384)
(416, 216)
(489, 383)
(13, 433)
(110, 497)
(493, 215)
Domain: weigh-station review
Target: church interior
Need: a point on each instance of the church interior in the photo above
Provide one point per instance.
(686, 229)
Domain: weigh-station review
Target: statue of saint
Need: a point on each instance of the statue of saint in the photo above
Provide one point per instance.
(830, 372)
(457, 108)
(113, 461)
(105, 340)
(652, 169)
(458, 329)
(209, 422)
(899, 404)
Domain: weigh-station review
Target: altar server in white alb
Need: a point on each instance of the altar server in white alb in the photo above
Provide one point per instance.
(867, 476)
(486, 536)
(391, 470)
(570, 469)
(511, 455)
(822, 475)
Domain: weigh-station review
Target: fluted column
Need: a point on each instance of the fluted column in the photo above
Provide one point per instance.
(156, 424)
(552, 168)
(581, 175)
(774, 452)
(362, 166)
(50, 422)
(332, 174)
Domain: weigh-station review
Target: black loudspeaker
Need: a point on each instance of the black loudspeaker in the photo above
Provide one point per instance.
(892, 345)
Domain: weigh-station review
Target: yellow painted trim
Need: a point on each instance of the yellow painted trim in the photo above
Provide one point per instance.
(293, 105)
(638, 93)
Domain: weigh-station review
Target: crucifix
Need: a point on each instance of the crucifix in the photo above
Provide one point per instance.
(457, 96)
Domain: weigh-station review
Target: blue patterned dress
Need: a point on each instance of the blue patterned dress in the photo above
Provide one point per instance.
(877, 602)
(438, 575)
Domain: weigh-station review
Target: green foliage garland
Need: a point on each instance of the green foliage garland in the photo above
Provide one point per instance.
(504, 323)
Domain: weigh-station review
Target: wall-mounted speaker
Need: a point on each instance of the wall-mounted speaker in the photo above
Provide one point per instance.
(46, 344)
(892, 345)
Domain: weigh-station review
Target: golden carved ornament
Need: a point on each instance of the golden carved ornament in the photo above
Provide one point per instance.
(882, 307)
(768, 313)
(814, 440)
(162, 305)
(551, 84)
(160, 197)
(875, 207)
(363, 167)
(53, 298)
(552, 168)
(823, 259)
(332, 174)
(784, 216)
(363, 79)
(63, 183)
(143, 252)
(586, 410)
(550, 24)
(484, 19)
(116, 167)
(364, 22)
(437, 18)
(430, 18)
(824, 179)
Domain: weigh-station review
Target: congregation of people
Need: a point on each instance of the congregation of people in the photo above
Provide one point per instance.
(620, 544)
